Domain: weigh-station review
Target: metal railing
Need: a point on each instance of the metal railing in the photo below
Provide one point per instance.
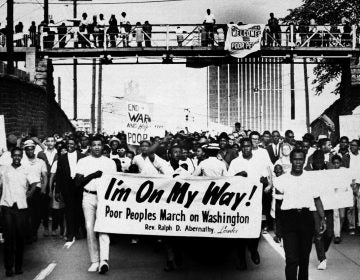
(185, 35)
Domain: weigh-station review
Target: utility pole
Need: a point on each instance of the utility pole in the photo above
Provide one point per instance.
(59, 91)
(75, 88)
(93, 96)
(10, 37)
(75, 8)
(75, 73)
(99, 120)
(307, 105)
(292, 88)
(46, 11)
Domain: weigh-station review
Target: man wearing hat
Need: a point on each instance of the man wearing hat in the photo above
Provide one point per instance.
(114, 145)
(36, 167)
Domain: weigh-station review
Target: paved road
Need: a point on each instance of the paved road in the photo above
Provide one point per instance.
(203, 259)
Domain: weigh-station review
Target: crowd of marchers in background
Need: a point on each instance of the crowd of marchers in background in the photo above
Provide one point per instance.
(96, 31)
(49, 183)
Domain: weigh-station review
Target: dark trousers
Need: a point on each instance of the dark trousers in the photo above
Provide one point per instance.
(266, 209)
(251, 243)
(45, 210)
(209, 28)
(34, 210)
(57, 220)
(147, 40)
(297, 232)
(73, 213)
(323, 241)
(15, 228)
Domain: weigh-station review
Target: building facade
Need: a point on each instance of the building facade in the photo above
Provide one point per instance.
(249, 92)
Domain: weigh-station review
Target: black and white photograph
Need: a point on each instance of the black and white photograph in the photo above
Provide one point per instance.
(180, 139)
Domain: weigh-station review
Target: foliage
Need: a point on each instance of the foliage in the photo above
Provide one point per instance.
(331, 12)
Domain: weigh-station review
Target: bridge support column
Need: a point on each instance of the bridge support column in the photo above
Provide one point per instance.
(44, 75)
(30, 63)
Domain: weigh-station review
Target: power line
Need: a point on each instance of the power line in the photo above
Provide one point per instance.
(105, 3)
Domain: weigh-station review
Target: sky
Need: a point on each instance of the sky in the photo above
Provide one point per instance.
(174, 87)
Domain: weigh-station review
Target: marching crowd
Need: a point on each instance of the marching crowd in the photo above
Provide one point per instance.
(58, 177)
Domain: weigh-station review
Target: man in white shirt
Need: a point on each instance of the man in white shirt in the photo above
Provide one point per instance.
(84, 36)
(212, 166)
(186, 160)
(297, 221)
(124, 22)
(88, 172)
(49, 156)
(253, 167)
(101, 27)
(209, 22)
(14, 190)
(148, 162)
(258, 151)
(37, 168)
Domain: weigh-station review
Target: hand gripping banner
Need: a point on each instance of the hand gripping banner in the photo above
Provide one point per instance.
(242, 40)
(224, 207)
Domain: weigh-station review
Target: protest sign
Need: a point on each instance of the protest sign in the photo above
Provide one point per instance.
(224, 207)
(138, 122)
(242, 40)
(333, 186)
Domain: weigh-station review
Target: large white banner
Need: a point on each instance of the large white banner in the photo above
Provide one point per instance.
(138, 122)
(242, 40)
(225, 207)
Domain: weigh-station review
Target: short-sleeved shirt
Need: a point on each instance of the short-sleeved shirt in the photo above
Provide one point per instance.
(209, 18)
(146, 167)
(15, 182)
(35, 167)
(255, 167)
(90, 164)
(211, 167)
(296, 192)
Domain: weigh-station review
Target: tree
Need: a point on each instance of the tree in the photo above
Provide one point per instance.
(327, 70)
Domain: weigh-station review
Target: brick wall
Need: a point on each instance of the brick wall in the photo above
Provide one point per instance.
(28, 108)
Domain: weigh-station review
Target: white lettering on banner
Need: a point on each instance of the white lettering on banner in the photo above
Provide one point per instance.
(242, 40)
(138, 123)
(224, 207)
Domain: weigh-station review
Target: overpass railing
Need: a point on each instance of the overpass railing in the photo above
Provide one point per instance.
(185, 35)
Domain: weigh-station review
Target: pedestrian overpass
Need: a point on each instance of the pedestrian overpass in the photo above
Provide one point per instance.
(180, 42)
